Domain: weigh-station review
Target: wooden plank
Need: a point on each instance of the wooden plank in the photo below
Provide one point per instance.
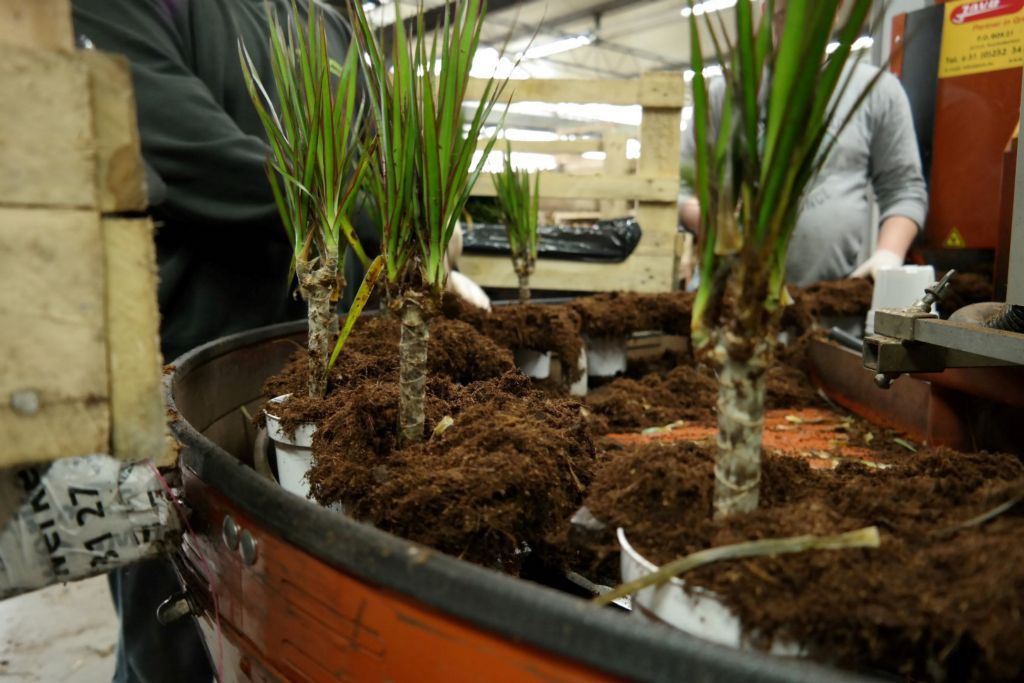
(562, 186)
(43, 24)
(615, 164)
(48, 156)
(662, 89)
(120, 175)
(133, 342)
(552, 147)
(54, 398)
(583, 91)
(638, 273)
(667, 90)
(659, 157)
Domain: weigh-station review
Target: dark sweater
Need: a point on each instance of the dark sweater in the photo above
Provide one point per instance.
(222, 251)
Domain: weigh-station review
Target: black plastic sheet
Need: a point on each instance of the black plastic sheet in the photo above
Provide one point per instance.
(608, 241)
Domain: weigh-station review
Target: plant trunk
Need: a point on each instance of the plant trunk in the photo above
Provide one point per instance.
(741, 389)
(524, 288)
(412, 382)
(316, 286)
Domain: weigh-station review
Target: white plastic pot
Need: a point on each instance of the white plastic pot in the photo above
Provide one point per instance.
(534, 364)
(898, 288)
(606, 356)
(294, 453)
(699, 613)
(579, 387)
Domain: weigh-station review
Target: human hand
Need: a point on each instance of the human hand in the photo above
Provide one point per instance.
(467, 290)
(880, 260)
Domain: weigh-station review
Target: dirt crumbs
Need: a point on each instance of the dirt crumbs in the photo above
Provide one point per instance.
(934, 602)
(490, 488)
(685, 392)
(619, 313)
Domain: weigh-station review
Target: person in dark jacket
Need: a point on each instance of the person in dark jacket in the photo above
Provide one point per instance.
(223, 254)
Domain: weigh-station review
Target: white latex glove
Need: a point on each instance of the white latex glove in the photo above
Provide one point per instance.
(467, 290)
(880, 260)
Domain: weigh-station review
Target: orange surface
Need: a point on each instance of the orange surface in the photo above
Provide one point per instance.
(292, 617)
(813, 433)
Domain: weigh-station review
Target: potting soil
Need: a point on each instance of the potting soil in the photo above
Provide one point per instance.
(932, 603)
(502, 482)
(490, 488)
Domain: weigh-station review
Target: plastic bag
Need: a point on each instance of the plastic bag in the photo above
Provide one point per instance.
(608, 241)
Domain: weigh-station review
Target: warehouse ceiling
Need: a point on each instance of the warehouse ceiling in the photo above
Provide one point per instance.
(586, 39)
(609, 38)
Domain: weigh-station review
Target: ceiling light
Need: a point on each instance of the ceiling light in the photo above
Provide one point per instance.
(707, 7)
(862, 43)
(559, 46)
(594, 155)
(710, 71)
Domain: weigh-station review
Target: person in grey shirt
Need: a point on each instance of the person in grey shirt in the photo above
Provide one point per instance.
(877, 150)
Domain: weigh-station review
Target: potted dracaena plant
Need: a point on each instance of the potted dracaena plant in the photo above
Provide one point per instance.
(314, 123)
(750, 178)
(518, 200)
(420, 175)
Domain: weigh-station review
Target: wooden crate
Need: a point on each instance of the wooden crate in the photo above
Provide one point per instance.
(80, 365)
(654, 187)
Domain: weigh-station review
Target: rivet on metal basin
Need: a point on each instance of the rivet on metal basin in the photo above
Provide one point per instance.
(229, 532)
(247, 545)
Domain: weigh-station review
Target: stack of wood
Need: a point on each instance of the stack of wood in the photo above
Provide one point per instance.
(80, 365)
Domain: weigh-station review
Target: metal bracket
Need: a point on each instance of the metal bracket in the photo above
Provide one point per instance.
(909, 340)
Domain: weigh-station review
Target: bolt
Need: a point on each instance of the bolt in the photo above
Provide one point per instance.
(174, 608)
(229, 533)
(25, 402)
(247, 546)
(883, 381)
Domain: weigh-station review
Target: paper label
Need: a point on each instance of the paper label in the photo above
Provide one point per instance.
(80, 517)
(981, 36)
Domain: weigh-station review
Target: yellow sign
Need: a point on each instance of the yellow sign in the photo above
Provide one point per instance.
(981, 36)
(954, 240)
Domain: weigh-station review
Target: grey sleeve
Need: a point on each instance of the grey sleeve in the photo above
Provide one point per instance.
(688, 146)
(213, 171)
(895, 161)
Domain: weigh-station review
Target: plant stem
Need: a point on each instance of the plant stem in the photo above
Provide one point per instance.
(412, 351)
(316, 284)
(866, 537)
(524, 288)
(741, 389)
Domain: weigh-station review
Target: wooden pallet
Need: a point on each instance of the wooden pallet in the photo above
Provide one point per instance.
(654, 187)
(80, 364)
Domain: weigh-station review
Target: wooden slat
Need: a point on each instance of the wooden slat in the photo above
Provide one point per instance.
(53, 347)
(133, 342)
(660, 93)
(47, 151)
(659, 157)
(552, 147)
(638, 273)
(562, 186)
(44, 24)
(120, 175)
(615, 163)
